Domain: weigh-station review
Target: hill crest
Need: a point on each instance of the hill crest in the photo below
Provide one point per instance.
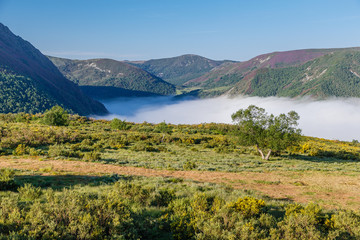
(27, 66)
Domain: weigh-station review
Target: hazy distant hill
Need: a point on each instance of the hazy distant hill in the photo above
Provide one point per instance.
(115, 76)
(178, 70)
(29, 82)
(316, 72)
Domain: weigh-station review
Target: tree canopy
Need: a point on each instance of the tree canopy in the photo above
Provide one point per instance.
(274, 133)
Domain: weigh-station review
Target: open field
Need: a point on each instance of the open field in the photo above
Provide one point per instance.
(119, 180)
(328, 189)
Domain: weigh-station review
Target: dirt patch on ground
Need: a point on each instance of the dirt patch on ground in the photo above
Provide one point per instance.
(328, 190)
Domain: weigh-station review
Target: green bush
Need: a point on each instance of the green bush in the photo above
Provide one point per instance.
(119, 124)
(189, 165)
(60, 150)
(21, 149)
(92, 156)
(29, 193)
(72, 215)
(144, 146)
(7, 181)
(56, 116)
(163, 197)
(134, 192)
(344, 225)
(248, 206)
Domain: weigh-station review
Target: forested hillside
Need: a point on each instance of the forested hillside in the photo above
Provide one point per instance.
(116, 76)
(178, 70)
(21, 94)
(31, 83)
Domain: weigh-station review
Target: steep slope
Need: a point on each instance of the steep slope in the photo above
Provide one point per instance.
(114, 75)
(178, 70)
(272, 69)
(31, 83)
(336, 74)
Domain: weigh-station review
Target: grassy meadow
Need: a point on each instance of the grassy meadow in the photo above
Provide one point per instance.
(97, 179)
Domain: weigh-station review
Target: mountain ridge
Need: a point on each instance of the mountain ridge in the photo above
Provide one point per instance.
(180, 69)
(236, 78)
(21, 62)
(104, 72)
(263, 75)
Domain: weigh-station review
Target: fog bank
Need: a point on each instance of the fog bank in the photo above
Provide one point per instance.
(333, 119)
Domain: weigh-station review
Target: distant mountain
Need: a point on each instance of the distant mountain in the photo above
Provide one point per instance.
(178, 70)
(315, 72)
(114, 77)
(29, 82)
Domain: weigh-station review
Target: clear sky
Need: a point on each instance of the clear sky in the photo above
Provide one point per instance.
(148, 29)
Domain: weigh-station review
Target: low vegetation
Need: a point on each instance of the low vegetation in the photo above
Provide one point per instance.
(124, 207)
(48, 203)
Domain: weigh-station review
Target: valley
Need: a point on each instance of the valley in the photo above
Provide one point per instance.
(146, 149)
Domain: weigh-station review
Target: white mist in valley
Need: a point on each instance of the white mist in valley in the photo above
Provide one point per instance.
(333, 119)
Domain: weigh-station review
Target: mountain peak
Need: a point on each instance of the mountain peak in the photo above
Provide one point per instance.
(180, 69)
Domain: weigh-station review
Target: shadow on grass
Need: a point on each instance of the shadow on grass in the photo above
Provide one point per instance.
(322, 159)
(66, 181)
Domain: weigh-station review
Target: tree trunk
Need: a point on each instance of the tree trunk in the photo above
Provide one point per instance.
(263, 157)
(261, 153)
(268, 155)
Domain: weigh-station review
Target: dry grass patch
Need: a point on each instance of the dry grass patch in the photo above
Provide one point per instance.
(328, 189)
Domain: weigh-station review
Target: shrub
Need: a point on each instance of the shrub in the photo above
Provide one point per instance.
(73, 215)
(344, 225)
(163, 197)
(297, 227)
(35, 152)
(136, 193)
(181, 220)
(311, 210)
(119, 124)
(21, 149)
(92, 156)
(60, 150)
(29, 193)
(56, 116)
(22, 117)
(144, 146)
(163, 128)
(7, 179)
(248, 206)
(301, 222)
(189, 165)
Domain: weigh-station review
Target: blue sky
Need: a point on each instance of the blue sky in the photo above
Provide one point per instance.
(148, 29)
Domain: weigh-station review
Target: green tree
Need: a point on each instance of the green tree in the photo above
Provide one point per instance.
(56, 116)
(267, 132)
(164, 129)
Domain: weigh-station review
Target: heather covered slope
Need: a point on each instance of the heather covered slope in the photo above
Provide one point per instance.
(31, 83)
(335, 74)
(277, 70)
(178, 70)
(115, 75)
